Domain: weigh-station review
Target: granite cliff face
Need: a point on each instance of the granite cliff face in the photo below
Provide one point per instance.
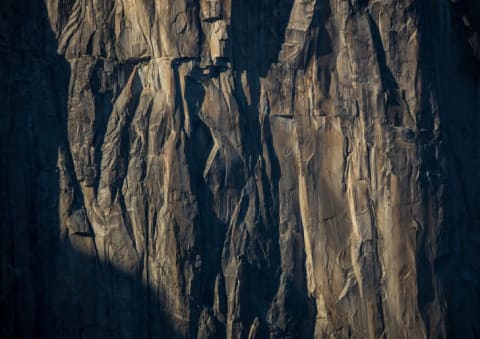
(239, 169)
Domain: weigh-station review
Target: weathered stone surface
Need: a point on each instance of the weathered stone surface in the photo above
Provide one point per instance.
(239, 169)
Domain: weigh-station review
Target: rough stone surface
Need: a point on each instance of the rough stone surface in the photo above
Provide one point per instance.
(239, 169)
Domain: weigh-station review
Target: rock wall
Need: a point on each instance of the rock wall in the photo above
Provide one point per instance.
(239, 169)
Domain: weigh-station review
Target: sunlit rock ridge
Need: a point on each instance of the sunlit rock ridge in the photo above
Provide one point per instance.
(239, 169)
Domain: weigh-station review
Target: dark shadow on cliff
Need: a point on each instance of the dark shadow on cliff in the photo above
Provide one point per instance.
(451, 70)
(211, 230)
(258, 31)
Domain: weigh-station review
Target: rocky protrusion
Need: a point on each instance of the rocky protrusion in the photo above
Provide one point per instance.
(211, 10)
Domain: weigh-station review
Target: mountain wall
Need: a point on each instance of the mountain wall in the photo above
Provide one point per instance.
(239, 169)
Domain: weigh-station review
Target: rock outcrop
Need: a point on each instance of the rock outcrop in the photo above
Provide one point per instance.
(239, 169)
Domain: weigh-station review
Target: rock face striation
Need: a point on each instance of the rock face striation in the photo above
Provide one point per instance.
(239, 169)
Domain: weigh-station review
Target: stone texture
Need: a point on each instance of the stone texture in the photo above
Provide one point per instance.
(239, 169)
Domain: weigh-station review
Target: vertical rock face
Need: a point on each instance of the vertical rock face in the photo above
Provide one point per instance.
(239, 169)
